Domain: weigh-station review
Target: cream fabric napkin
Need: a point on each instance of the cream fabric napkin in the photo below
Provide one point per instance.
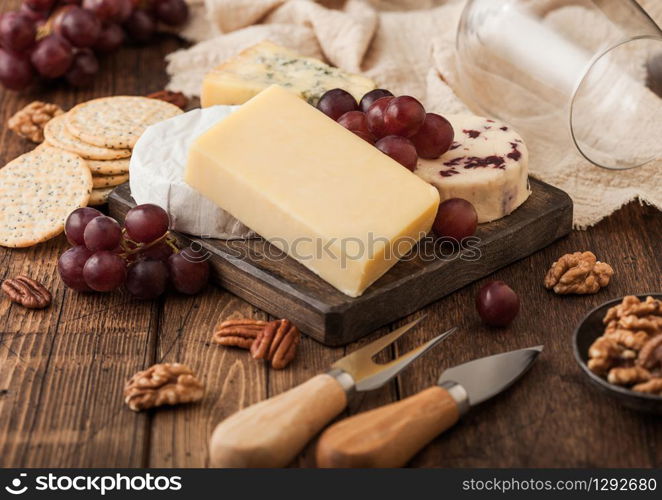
(406, 46)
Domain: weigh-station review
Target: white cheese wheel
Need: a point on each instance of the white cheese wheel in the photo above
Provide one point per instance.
(486, 165)
(157, 176)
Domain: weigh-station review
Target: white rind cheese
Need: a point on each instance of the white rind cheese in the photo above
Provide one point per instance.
(265, 64)
(486, 165)
(157, 169)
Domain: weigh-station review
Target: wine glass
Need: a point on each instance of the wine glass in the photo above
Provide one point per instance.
(567, 72)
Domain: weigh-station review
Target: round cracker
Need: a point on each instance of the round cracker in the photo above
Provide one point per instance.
(106, 181)
(109, 167)
(117, 122)
(38, 190)
(99, 196)
(57, 135)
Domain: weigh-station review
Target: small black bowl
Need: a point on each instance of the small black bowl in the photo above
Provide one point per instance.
(591, 328)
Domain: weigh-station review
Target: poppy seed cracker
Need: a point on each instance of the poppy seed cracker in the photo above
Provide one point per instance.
(105, 181)
(109, 167)
(99, 196)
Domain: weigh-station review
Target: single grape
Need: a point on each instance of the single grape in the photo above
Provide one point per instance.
(497, 304)
(336, 102)
(125, 9)
(147, 279)
(400, 149)
(355, 121)
(102, 233)
(189, 271)
(75, 225)
(83, 69)
(41, 5)
(456, 218)
(140, 26)
(70, 266)
(366, 136)
(434, 137)
(146, 223)
(17, 31)
(52, 57)
(104, 271)
(171, 12)
(79, 26)
(110, 39)
(368, 99)
(36, 16)
(105, 10)
(159, 251)
(375, 116)
(16, 72)
(403, 116)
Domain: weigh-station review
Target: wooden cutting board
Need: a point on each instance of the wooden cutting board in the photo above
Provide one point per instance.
(284, 288)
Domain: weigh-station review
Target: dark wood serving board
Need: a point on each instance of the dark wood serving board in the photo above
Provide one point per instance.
(285, 288)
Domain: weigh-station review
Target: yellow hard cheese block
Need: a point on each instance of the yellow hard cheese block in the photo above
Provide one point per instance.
(315, 190)
(265, 64)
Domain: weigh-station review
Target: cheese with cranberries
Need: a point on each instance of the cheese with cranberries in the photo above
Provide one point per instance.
(487, 164)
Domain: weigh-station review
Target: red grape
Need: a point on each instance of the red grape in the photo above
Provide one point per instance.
(189, 271)
(140, 26)
(400, 149)
(16, 72)
(71, 265)
(497, 304)
(41, 5)
(146, 223)
(368, 99)
(366, 136)
(76, 223)
(17, 31)
(456, 218)
(110, 39)
(35, 16)
(52, 57)
(147, 279)
(403, 116)
(104, 271)
(356, 122)
(105, 10)
(83, 69)
(375, 116)
(159, 251)
(434, 137)
(102, 233)
(171, 12)
(336, 102)
(124, 10)
(79, 26)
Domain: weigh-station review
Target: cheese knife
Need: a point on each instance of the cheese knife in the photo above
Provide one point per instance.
(271, 433)
(390, 435)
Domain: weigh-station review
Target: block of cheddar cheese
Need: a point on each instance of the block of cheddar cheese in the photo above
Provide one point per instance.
(315, 190)
(265, 64)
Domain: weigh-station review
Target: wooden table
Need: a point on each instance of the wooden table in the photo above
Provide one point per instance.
(62, 370)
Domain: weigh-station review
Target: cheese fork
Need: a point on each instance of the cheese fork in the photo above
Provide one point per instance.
(271, 433)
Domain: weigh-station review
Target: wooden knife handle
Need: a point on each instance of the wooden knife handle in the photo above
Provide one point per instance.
(388, 436)
(271, 433)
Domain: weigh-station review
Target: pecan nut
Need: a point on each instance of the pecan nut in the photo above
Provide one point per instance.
(578, 273)
(277, 343)
(238, 332)
(27, 292)
(176, 98)
(29, 122)
(162, 384)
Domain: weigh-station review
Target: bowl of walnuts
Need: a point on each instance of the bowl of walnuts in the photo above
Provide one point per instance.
(618, 345)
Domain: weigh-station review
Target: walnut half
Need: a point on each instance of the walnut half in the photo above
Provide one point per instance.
(30, 121)
(579, 273)
(162, 384)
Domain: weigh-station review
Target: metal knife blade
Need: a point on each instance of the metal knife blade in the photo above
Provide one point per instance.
(486, 377)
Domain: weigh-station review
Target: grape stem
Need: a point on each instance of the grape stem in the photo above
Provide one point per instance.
(131, 247)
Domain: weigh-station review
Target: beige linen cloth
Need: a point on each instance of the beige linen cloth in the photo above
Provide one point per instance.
(406, 46)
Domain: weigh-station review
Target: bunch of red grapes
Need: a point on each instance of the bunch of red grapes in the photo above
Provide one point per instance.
(62, 38)
(143, 257)
(397, 126)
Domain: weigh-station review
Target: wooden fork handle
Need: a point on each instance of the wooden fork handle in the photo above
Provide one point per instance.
(390, 435)
(271, 433)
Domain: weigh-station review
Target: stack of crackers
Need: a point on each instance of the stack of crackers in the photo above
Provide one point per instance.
(85, 154)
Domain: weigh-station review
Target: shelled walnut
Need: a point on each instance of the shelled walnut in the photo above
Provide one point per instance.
(30, 121)
(579, 273)
(162, 384)
(629, 352)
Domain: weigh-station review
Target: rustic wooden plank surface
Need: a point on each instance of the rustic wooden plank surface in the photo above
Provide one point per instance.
(62, 370)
